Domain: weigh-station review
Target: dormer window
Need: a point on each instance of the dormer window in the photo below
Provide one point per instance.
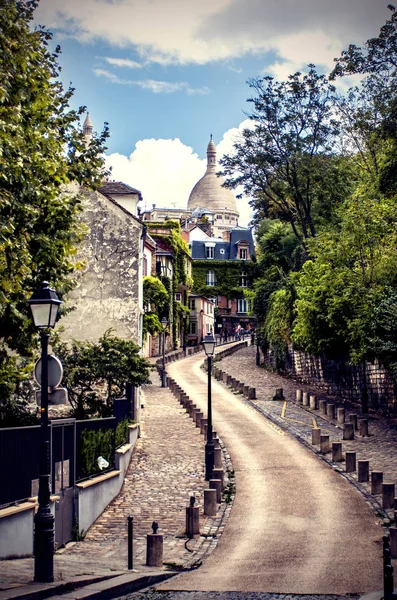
(210, 250)
(243, 253)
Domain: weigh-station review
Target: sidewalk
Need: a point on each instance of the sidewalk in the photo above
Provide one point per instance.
(167, 467)
(380, 448)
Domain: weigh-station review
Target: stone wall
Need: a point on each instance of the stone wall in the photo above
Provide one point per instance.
(108, 292)
(340, 378)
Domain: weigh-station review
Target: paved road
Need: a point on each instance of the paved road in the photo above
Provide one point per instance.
(296, 526)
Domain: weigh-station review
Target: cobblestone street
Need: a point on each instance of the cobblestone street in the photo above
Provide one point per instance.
(167, 467)
(380, 447)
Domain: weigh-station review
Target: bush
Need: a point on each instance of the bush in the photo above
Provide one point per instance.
(92, 445)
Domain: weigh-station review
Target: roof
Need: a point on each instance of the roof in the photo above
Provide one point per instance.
(118, 187)
(223, 250)
(209, 191)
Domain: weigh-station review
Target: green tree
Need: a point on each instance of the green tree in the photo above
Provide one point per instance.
(369, 111)
(340, 291)
(42, 150)
(285, 161)
(95, 373)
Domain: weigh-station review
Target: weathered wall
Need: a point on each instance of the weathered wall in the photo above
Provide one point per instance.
(342, 379)
(108, 294)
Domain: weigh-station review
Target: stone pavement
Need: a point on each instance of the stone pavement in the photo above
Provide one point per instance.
(380, 447)
(166, 468)
(165, 595)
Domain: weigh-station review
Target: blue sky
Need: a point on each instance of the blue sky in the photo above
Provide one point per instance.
(166, 73)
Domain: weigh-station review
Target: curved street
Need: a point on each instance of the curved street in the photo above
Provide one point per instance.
(296, 526)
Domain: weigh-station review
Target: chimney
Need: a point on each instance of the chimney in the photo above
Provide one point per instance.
(226, 236)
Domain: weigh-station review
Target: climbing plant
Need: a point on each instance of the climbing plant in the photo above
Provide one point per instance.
(228, 274)
(170, 234)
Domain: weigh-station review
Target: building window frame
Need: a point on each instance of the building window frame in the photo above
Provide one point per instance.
(211, 278)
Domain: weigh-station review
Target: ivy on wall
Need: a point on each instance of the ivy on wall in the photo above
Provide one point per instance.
(227, 276)
(170, 233)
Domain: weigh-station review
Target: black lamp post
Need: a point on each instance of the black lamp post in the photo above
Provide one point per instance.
(44, 305)
(164, 324)
(258, 356)
(184, 315)
(209, 348)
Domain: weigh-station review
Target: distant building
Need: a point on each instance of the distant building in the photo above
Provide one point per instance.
(222, 270)
(210, 204)
(209, 193)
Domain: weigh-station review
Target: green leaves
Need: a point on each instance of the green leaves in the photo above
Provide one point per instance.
(283, 160)
(95, 373)
(42, 151)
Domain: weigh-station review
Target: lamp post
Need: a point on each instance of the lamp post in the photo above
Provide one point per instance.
(164, 324)
(44, 305)
(184, 315)
(258, 356)
(209, 347)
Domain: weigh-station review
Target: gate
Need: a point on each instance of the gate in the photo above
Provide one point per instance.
(63, 473)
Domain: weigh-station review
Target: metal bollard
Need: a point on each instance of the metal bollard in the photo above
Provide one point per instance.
(130, 542)
(388, 580)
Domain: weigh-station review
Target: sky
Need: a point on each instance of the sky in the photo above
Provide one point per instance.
(165, 74)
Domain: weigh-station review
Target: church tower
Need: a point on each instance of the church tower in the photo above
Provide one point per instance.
(87, 129)
(209, 195)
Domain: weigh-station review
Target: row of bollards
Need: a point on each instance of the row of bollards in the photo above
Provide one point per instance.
(235, 384)
(352, 465)
(212, 495)
(388, 571)
(154, 545)
(349, 423)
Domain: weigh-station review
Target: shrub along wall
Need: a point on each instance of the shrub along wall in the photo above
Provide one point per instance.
(340, 378)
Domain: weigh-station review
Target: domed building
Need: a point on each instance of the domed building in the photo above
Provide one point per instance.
(208, 193)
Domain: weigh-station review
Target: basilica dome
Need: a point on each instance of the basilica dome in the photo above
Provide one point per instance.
(208, 191)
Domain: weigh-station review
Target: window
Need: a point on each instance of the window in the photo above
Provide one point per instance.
(209, 252)
(243, 279)
(211, 278)
(192, 303)
(222, 251)
(193, 328)
(243, 305)
(144, 266)
(243, 253)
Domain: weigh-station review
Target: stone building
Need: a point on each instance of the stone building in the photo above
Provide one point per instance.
(109, 290)
(209, 193)
(222, 270)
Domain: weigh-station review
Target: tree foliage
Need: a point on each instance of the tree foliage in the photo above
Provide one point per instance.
(285, 161)
(42, 150)
(95, 373)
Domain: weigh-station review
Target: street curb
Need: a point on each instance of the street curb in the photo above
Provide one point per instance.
(101, 587)
(373, 502)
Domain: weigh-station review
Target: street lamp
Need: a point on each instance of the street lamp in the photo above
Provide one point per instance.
(258, 356)
(209, 348)
(164, 324)
(44, 305)
(184, 315)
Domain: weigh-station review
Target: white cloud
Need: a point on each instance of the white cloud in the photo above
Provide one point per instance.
(165, 171)
(186, 31)
(123, 63)
(157, 87)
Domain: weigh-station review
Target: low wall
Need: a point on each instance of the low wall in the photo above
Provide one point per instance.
(92, 497)
(16, 528)
(340, 378)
